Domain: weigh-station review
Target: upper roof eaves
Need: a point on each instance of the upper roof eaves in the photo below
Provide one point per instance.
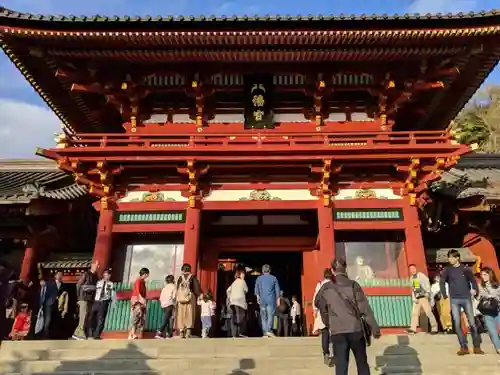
(362, 21)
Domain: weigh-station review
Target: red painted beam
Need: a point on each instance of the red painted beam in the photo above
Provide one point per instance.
(149, 227)
(369, 225)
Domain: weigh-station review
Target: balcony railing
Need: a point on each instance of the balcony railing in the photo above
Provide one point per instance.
(263, 140)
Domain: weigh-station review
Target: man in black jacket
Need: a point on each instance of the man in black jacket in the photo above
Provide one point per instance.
(85, 289)
(462, 286)
(340, 304)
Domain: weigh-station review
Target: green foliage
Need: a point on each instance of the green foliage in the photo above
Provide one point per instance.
(479, 121)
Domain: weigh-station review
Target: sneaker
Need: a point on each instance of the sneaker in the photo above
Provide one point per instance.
(76, 337)
(270, 334)
(411, 332)
(463, 351)
(434, 332)
(328, 361)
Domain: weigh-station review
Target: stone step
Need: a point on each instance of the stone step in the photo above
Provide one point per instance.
(437, 370)
(386, 364)
(425, 339)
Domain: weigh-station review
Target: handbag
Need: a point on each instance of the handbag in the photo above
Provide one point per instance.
(488, 306)
(353, 305)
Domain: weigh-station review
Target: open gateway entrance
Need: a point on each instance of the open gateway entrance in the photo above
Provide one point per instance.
(285, 265)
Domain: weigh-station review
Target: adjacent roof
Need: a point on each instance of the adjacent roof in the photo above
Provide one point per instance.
(23, 180)
(475, 175)
(37, 43)
(67, 261)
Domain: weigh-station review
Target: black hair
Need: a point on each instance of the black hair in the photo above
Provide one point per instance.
(339, 265)
(328, 274)
(108, 270)
(170, 279)
(143, 271)
(186, 267)
(412, 265)
(454, 253)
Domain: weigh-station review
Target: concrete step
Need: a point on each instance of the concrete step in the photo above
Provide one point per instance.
(395, 355)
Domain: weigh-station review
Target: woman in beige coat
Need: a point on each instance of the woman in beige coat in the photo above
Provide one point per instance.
(319, 325)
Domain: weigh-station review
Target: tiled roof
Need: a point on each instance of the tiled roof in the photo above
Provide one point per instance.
(23, 180)
(242, 19)
(475, 174)
(68, 261)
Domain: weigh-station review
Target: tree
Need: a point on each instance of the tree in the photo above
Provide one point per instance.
(479, 121)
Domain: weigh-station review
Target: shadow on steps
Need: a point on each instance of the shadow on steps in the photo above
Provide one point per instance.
(109, 364)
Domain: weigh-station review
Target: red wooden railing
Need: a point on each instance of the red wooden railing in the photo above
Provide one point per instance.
(238, 140)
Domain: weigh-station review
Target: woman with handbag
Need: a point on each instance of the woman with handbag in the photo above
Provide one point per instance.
(489, 304)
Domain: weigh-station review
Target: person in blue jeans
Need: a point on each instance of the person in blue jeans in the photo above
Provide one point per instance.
(490, 290)
(462, 286)
(267, 291)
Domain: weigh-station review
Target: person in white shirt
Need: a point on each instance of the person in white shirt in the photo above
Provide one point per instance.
(442, 305)
(207, 312)
(236, 294)
(167, 302)
(295, 315)
(104, 296)
(319, 325)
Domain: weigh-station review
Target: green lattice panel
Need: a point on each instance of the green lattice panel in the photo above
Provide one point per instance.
(118, 318)
(391, 311)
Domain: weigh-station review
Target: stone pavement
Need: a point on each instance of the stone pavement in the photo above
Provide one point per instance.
(392, 354)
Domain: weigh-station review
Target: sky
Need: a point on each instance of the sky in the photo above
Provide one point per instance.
(26, 122)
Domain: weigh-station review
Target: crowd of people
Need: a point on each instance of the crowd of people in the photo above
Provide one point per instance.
(43, 311)
(461, 303)
(346, 323)
(343, 317)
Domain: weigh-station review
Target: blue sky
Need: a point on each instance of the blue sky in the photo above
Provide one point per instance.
(25, 121)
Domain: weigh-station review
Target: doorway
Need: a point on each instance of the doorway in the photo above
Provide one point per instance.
(285, 266)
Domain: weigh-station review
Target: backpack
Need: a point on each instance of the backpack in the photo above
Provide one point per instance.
(184, 293)
(284, 306)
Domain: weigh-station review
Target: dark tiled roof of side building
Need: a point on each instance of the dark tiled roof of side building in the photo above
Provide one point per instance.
(22, 180)
(476, 174)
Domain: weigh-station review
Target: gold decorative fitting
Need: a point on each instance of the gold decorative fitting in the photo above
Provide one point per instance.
(441, 161)
(474, 146)
(124, 86)
(199, 121)
(413, 173)
(326, 200)
(322, 84)
(410, 186)
(106, 189)
(133, 122)
(383, 119)
(104, 203)
(319, 120)
(192, 201)
(391, 84)
(194, 84)
(413, 199)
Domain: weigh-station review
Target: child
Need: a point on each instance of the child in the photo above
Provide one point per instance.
(207, 311)
(137, 319)
(167, 301)
(138, 303)
(22, 324)
(295, 315)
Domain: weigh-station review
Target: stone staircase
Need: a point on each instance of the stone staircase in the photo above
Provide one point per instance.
(396, 355)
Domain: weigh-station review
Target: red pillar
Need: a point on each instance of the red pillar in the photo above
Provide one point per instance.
(28, 267)
(326, 235)
(192, 237)
(414, 246)
(104, 240)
